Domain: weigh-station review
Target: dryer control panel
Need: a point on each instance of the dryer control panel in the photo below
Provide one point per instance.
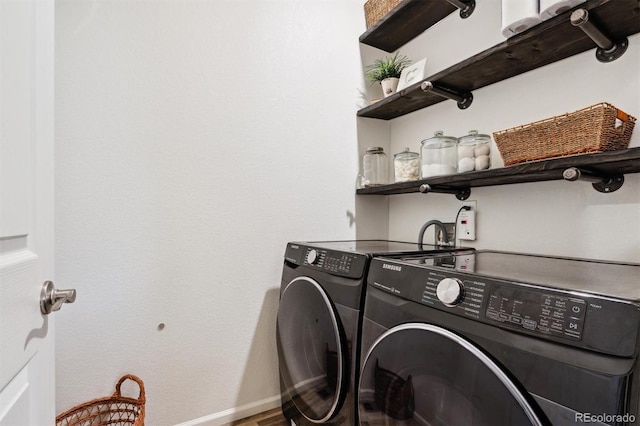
(344, 264)
(335, 262)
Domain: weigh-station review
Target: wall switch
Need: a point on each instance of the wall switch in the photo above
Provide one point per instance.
(466, 225)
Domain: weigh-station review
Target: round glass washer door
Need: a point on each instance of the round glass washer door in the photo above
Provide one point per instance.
(312, 350)
(421, 374)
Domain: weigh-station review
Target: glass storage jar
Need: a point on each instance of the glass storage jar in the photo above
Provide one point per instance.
(375, 169)
(438, 155)
(474, 152)
(406, 166)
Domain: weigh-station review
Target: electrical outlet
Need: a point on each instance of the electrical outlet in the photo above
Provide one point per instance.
(450, 226)
(471, 203)
(466, 223)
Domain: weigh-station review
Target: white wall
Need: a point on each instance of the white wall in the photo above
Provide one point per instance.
(559, 218)
(194, 139)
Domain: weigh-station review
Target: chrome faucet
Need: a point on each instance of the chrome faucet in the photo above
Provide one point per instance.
(445, 237)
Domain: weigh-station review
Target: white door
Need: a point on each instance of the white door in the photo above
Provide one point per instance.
(26, 211)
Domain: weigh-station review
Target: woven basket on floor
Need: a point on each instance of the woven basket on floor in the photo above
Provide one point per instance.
(597, 128)
(374, 10)
(112, 410)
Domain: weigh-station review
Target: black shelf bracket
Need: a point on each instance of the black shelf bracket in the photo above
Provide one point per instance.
(460, 193)
(605, 184)
(466, 7)
(464, 99)
(607, 50)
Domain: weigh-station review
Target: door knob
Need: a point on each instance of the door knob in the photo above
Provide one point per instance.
(51, 299)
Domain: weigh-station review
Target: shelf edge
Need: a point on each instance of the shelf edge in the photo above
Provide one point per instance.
(535, 171)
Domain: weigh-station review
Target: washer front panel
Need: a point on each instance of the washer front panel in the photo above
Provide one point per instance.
(425, 374)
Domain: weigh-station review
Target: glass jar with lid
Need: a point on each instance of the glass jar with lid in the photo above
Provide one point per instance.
(438, 155)
(406, 166)
(474, 152)
(375, 168)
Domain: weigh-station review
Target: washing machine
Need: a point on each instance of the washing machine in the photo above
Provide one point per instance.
(499, 338)
(319, 322)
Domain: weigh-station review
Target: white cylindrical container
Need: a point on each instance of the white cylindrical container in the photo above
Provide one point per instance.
(438, 155)
(375, 167)
(474, 152)
(518, 16)
(406, 166)
(551, 8)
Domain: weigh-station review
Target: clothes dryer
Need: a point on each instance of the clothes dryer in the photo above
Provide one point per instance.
(319, 323)
(497, 338)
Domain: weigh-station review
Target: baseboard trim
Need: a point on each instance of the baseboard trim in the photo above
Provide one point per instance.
(235, 413)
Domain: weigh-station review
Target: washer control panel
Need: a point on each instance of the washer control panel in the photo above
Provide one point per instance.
(537, 311)
(513, 306)
(595, 322)
(448, 291)
(313, 257)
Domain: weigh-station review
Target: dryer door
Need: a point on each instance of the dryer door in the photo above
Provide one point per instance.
(312, 350)
(426, 375)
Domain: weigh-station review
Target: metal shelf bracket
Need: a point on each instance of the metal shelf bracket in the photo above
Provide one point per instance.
(460, 193)
(607, 50)
(466, 7)
(605, 184)
(464, 99)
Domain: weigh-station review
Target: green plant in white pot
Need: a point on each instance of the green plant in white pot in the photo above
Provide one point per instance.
(386, 71)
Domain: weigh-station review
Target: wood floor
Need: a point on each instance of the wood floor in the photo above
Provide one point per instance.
(268, 418)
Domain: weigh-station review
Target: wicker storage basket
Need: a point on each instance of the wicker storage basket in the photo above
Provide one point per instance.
(112, 410)
(600, 127)
(374, 10)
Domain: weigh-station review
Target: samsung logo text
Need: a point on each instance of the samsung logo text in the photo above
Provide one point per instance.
(392, 267)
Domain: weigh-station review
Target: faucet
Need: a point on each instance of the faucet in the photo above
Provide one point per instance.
(445, 237)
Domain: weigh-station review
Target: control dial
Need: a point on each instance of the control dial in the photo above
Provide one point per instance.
(450, 291)
(313, 257)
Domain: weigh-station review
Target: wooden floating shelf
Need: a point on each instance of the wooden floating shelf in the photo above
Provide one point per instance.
(407, 20)
(546, 43)
(612, 163)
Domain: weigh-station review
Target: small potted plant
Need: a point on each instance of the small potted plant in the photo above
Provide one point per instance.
(387, 72)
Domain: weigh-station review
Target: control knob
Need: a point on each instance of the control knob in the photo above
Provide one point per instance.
(450, 291)
(313, 257)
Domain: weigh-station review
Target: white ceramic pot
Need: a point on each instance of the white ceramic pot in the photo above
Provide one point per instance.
(389, 86)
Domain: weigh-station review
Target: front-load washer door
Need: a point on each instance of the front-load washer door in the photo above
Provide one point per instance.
(421, 374)
(312, 350)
